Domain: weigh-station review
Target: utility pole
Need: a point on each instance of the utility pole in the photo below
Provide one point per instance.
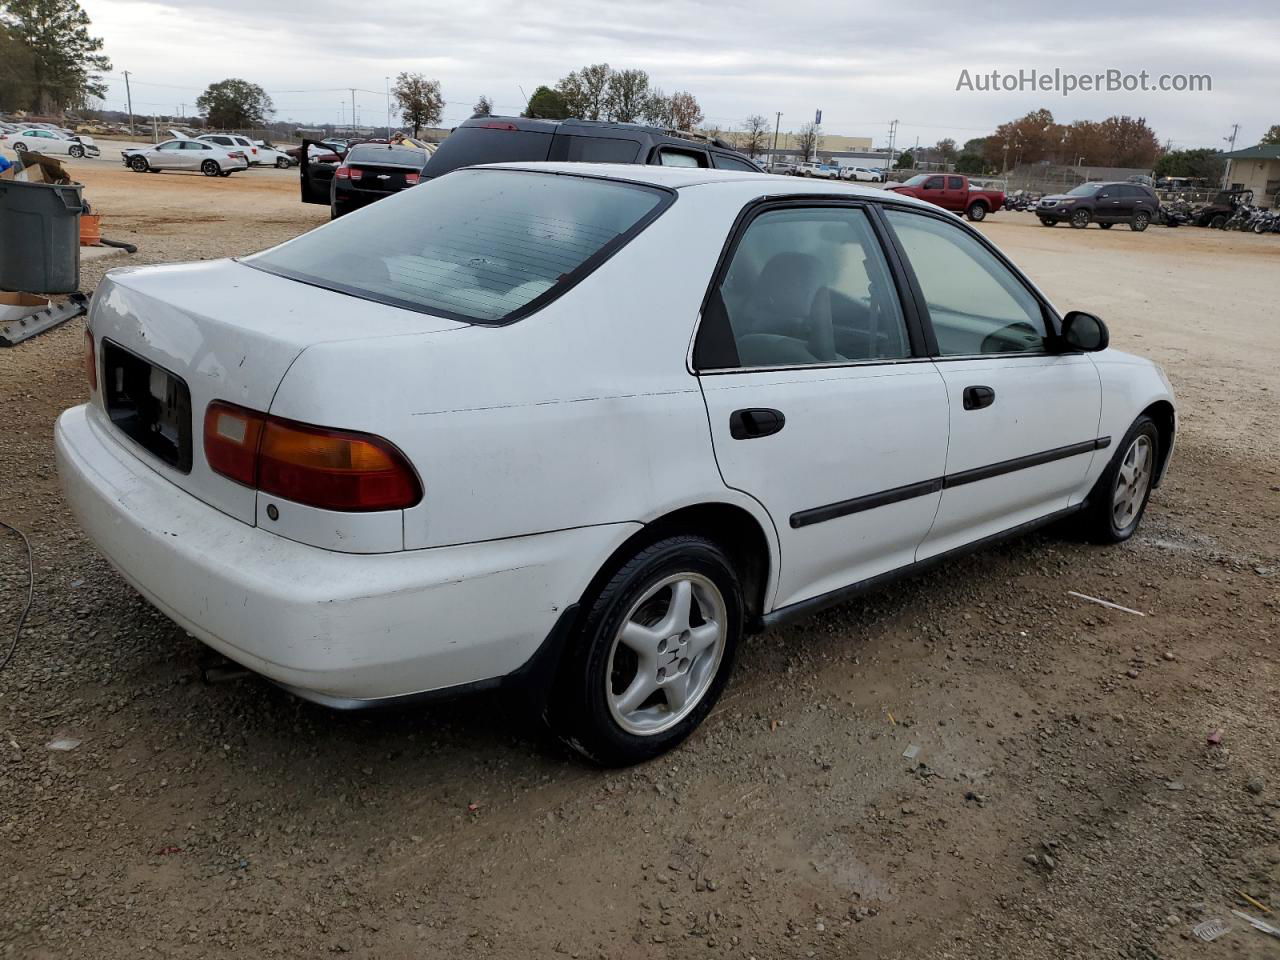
(915, 157)
(777, 122)
(353, 109)
(1231, 140)
(893, 135)
(388, 79)
(129, 96)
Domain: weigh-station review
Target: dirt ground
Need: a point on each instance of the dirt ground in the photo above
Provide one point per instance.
(1065, 801)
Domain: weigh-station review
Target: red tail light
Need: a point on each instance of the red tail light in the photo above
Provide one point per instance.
(317, 466)
(90, 361)
(348, 173)
(411, 179)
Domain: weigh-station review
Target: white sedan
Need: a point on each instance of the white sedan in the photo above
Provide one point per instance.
(50, 143)
(183, 153)
(468, 444)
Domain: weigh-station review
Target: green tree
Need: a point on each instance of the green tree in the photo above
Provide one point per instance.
(905, 161)
(1272, 135)
(17, 64)
(969, 163)
(421, 102)
(65, 61)
(586, 91)
(483, 107)
(234, 104)
(1204, 162)
(547, 104)
(946, 149)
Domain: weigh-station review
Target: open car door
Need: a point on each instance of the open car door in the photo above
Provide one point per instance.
(315, 175)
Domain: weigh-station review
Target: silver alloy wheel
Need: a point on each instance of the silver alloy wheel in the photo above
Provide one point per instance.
(666, 653)
(1132, 480)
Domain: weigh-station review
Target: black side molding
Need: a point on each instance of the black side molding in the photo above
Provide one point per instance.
(1022, 463)
(872, 500)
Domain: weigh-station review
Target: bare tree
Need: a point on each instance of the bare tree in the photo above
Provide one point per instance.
(628, 95)
(754, 139)
(809, 141)
(420, 100)
(585, 91)
(685, 111)
(483, 107)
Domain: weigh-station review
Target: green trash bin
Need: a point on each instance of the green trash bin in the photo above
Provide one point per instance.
(40, 236)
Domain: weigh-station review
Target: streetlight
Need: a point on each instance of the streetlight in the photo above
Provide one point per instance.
(388, 79)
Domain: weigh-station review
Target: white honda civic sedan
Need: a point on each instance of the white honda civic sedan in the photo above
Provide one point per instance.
(578, 428)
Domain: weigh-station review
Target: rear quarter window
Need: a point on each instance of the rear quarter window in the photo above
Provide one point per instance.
(595, 149)
(483, 246)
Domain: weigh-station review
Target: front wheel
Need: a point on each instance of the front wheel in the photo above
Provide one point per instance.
(1218, 222)
(652, 653)
(1120, 496)
(976, 212)
(138, 164)
(210, 168)
(75, 152)
(282, 163)
(1141, 220)
(1106, 226)
(1048, 222)
(1080, 219)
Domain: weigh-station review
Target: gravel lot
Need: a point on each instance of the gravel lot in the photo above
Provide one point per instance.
(1065, 801)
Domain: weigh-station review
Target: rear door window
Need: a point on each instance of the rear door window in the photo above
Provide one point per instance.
(501, 143)
(955, 183)
(483, 246)
(594, 149)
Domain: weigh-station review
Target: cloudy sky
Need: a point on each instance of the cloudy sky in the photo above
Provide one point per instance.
(863, 62)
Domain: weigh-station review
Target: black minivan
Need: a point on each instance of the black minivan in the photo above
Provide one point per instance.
(1102, 203)
(506, 139)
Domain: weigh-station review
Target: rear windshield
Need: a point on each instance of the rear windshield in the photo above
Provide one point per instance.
(468, 146)
(381, 153)
(484, 246)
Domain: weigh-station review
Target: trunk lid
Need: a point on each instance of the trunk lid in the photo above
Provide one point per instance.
(172, 339)
(380, 177)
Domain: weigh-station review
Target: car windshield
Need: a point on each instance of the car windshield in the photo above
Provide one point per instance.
(915, 181)
(482, 246)
(1085, 190)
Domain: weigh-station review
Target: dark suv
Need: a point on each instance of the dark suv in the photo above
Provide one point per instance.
(504, 139)
(1101, 203)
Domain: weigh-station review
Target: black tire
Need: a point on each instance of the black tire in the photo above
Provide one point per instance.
(19, 147)
(1048, 222)
(224, 173)
(75, 152)
(1081, 219)
(1106, 226)
(579, 711)
(210, 168)
(138, 164)
(976, 212)
(1218, 222)
(282, 163)
(1099, 523)
(1141, 220)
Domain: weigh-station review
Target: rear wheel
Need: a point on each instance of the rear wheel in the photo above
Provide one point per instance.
(1080, 219)
(652, 653)
(19, 147)
(1141, 220)
(138, 164)
(1219, 221)
(210, 168)
(1120, 496)
(976, 212)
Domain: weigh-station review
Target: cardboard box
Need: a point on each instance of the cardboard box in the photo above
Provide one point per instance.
(15, 306)
(36, 168)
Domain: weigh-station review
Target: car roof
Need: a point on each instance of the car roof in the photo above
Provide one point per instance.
(678, 178)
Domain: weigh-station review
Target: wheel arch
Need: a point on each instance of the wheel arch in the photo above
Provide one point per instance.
(749, 542)
(1166, 421)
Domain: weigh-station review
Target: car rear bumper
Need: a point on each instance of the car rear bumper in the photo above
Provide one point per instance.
(342, 629)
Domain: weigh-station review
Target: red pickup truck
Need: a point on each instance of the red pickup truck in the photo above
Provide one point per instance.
(951, 192)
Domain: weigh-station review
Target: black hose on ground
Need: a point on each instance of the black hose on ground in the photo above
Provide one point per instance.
(127, 247)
